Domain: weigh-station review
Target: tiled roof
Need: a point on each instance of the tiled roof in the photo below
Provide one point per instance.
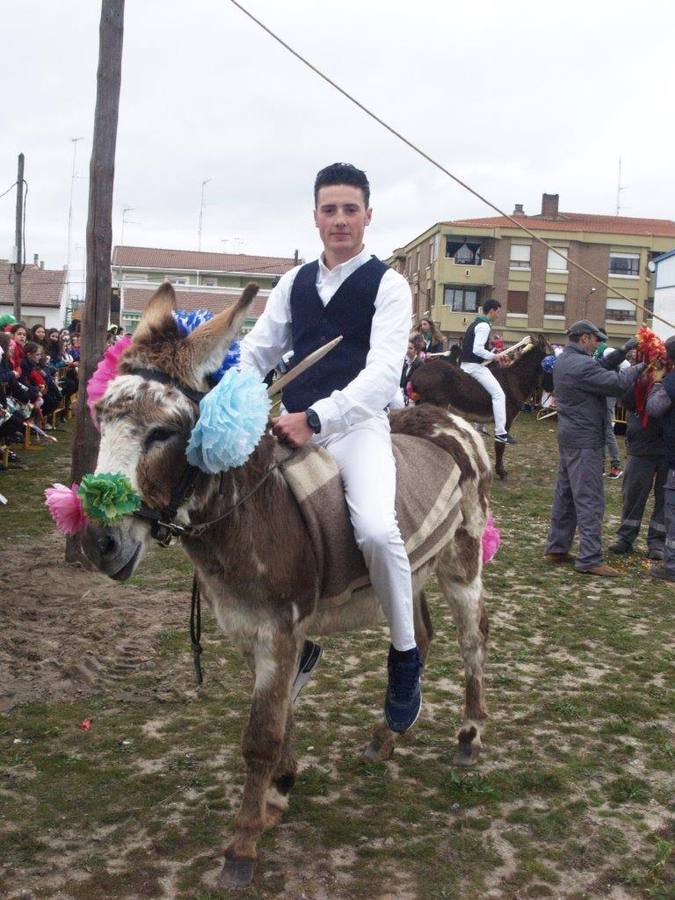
(191, 260)
(135, 299)
(578, 222)
(39, 287)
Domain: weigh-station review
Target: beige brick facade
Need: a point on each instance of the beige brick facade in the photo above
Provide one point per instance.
(475, 260)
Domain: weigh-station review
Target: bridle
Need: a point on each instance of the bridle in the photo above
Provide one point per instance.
(163, 526)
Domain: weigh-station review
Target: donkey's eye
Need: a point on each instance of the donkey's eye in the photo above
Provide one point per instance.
(157, 436)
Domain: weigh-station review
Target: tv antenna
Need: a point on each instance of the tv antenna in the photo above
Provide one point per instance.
(619, 190)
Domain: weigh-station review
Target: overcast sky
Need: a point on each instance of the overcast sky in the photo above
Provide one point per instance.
(517, 99)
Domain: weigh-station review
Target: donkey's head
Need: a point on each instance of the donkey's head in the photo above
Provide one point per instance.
(146, 418)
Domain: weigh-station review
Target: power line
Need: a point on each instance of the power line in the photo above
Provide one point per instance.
(10, 188)
(614, 291)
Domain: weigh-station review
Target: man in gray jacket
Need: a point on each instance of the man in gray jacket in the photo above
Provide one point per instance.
(581, 384)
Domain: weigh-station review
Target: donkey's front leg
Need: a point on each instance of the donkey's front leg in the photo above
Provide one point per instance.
(275, 652)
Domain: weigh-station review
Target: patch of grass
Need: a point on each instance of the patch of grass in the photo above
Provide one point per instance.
(577, 747)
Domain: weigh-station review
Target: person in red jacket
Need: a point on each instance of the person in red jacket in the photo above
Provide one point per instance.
(19, 334)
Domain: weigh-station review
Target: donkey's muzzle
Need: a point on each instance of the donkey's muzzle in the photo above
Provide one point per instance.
(111, 550)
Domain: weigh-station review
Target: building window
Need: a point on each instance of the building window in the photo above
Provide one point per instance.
(556, 263)
(624, 264)
(520, 256)
(209, 282)
(460, 299)
(417, 261)
(465, 253)
(134, 276)
(619, 310)
(554, 305)
(433, 249)
(177, 279)
(517, 302)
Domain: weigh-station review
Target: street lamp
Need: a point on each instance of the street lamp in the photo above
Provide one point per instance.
(126, 221)
(74, 142)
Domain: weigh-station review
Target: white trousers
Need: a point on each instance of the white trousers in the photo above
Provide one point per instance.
(366, 461)
(485, 377)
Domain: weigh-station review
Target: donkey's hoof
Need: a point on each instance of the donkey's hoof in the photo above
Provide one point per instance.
(503, 475)
(236, 874)
(466, 755)
(379, 751)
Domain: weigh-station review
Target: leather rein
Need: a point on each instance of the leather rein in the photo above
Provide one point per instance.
(163, 527)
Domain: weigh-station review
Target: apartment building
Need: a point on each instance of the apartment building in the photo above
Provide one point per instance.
(454, 266)
(202, 280)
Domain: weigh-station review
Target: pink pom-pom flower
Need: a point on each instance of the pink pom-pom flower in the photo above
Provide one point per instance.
(491, 540)
(65, 508)
(105, 371)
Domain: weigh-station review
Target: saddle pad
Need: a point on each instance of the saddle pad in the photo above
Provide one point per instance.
(427, 509)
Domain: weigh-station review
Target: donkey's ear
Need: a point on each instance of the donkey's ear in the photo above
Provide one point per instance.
(208, 344)
(157, 316)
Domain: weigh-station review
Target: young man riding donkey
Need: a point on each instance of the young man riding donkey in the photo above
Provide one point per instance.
(340, 403)
(475, 353)
(268, 533)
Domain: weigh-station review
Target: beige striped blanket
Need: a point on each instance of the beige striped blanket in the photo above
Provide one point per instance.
(427, 508)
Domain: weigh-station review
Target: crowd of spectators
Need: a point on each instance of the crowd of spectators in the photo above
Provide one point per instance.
(38, 378)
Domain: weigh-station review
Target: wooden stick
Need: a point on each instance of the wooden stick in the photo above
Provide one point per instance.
(301, 367)
(527, 340)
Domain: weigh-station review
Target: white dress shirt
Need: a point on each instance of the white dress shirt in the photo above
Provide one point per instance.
(375, 386)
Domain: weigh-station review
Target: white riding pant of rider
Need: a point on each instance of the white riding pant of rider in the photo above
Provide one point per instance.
(485, 377)
(366, 461)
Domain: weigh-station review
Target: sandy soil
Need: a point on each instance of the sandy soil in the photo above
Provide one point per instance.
(65, 630)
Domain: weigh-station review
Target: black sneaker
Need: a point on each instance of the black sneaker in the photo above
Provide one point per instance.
(505, 438)
(403, 702)
(652, 553)
(310, 656)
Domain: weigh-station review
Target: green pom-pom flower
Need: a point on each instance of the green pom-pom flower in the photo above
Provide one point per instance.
(108, 497)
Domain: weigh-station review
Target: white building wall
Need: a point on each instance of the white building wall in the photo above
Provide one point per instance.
(664, 297)
(50, 315)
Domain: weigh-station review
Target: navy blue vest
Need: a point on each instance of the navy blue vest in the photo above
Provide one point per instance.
(349, 313)
(467, 354)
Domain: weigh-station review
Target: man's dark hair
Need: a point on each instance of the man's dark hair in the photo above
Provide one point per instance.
(491, 304)
(342, 173)
(670, 348)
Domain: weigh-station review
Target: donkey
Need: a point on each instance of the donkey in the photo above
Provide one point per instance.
(448, 386)
(245, 535)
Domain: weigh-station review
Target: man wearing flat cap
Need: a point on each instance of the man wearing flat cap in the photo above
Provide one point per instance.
(581, 384)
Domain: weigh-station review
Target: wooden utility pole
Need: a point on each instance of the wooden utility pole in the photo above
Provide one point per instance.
(99, 235)
(18, 240)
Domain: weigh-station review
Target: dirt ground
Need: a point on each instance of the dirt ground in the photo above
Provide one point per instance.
(572, 798)
(84, 632)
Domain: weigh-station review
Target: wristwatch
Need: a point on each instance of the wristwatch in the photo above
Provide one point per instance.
(313, 421)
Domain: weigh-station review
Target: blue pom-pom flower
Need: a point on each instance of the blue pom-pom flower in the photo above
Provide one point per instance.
(188, 321)
(548, 362)
(232, 419)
